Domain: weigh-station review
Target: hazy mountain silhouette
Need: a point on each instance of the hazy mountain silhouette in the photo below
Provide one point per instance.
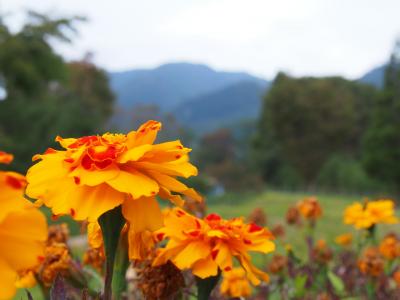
(374, 77)
(170, 84)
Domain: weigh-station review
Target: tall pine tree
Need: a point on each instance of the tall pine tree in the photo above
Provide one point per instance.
(381, 156)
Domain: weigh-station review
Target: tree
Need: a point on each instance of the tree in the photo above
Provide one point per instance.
(306, 120)
(46, 96)
(381, 156)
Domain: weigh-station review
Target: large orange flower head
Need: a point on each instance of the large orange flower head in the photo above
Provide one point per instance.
(95, 174)
(208, 245)
(363, 216)
(23, 230)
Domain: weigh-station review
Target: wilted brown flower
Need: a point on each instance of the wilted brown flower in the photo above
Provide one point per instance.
(321, 252)
(258, 217)
(310, 208)
(56, 261)
(95, 257)
(293, 215)
(197, 208)
(58, 234)
(371, 262)
(396, 277)
(277, 264)
(278, 231)
(161, 282)
(390, 247)
(323, 296)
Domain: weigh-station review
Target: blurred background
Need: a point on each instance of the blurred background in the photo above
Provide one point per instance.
(291, 95)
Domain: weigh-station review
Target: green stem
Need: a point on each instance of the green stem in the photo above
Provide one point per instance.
(120, 266)
(111, 223)
(205, 286)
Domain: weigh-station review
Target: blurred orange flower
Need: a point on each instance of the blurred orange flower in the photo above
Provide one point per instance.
(321, 252)
(235, 284)
(310, 208)
(369, 214)
(344, 239)
(208, 245)
(396, 277)
(6, 158)
(371, 262)
(390, 247)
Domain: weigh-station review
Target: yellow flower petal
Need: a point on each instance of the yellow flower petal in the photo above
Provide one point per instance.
(134, 183)
(143, 214)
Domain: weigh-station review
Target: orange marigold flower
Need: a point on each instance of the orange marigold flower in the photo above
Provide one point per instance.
(364, 216)
(23, 231)
(344, 239)
(6, 158)
(208, 245)
(235, 284)
(371, 262)
(95, 174)
(390, 247)
(309, 208)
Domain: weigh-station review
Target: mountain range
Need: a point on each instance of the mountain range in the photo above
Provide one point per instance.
(196, 95)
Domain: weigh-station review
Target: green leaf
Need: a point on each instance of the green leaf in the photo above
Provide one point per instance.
(299, 285)
(337, 282)
(205, 286)
(111, 223)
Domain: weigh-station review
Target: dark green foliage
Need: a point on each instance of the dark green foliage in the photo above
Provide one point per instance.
(304, 121)
(46, 96)
(223, 157)
(382, 140)
(344, 174)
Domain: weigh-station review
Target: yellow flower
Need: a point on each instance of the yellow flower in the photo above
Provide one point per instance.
(26, 280)
(373, 212)
(95, 237)
(23, 231)
(208, 245)
(390, 247)
(344, 239)
(235, 284)
(95, 174)
(310, 208)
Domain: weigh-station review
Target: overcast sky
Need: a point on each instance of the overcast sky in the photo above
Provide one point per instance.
(303, 37)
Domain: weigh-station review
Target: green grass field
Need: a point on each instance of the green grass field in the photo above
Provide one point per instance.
(275, 204)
